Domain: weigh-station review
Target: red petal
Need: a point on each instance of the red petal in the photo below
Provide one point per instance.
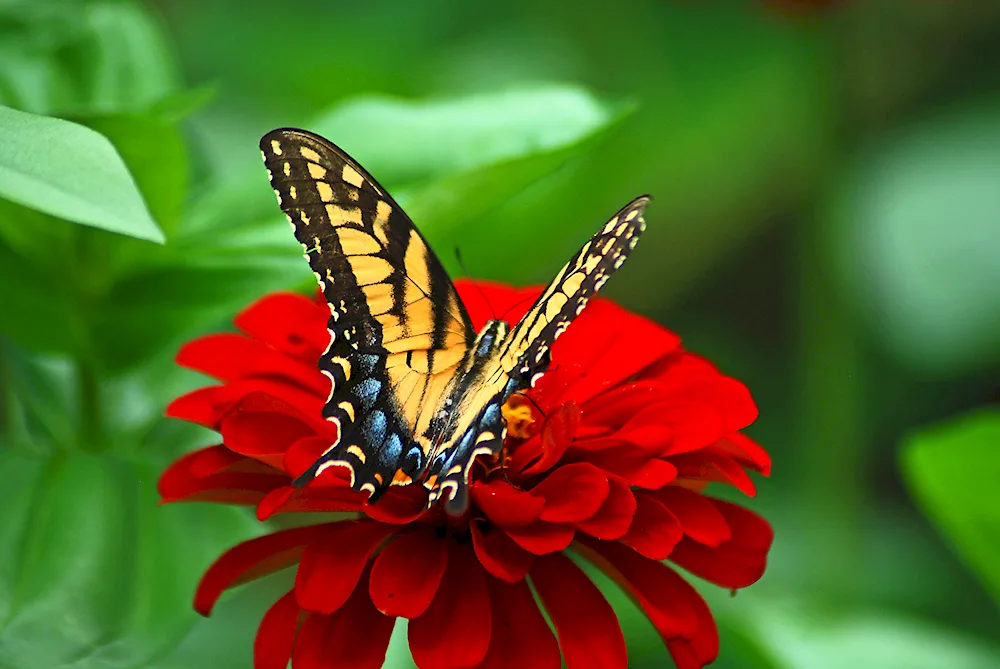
(231, 356)
(641, 471)
(676, 609)
(617, 353)
(689, 425)
(208, 406)
(520, 637)
(354, 637)
(269, 395)
(264, 436)
(704, 647)
(406, 574)
(588, 629)
(654, 531)
(615, 407)
(615, 515)
(252, 559)
(700, 519)
(309, 646)
(272, 647)
(320, 499)
(198, 406)
(696, 379)
(746, 451)
(736, 563)
(217, 474)
(572, 493)
(499, 555)
(710, 464)
(505, 505)
(213, 460)
(557, 434)
(400, 505)
(331, 565)
(454, 633)
(291, 323)
(302, 454)
(221, 488)
(541, 538)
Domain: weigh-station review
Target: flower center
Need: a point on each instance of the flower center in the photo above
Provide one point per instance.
(517, 413)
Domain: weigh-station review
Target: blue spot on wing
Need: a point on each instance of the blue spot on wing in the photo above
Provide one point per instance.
(375, 427)
(367, 392)
(393, 447)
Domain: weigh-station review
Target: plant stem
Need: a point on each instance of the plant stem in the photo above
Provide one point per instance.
(90, 437)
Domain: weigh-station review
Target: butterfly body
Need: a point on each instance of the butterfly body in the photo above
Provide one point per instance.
(416, 394)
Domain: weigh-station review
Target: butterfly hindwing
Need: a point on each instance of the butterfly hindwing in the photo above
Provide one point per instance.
(398, 329)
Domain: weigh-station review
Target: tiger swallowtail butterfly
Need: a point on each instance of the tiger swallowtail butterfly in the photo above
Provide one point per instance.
(416, 393)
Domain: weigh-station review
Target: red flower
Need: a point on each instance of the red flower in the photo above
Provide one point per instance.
(608, 459)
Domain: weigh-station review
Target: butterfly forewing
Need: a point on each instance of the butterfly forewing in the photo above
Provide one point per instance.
(527, 349)
(398, 329)
(523, 355)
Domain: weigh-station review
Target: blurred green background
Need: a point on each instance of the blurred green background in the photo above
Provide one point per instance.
(825, 227)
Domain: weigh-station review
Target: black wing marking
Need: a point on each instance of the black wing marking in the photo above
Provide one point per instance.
(397, 327)
(523, 355)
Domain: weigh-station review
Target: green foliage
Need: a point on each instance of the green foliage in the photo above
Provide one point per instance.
(919, 225)
(791, 635)
(953, 471)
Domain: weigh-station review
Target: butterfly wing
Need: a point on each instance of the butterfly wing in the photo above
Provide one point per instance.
(526, 352)
(398, 329)
(523, 356)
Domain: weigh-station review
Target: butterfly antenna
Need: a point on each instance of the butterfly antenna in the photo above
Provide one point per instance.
(529, 398)
(458, 256)
(515, 305)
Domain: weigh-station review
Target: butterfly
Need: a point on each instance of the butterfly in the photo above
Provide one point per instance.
(416, 393)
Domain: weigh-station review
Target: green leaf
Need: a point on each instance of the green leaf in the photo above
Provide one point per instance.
(794, 636)
(406, 141)
(914, 231)
(952, 470)
(155, 154)
(72, 172)
(155, 308)
(93, 574)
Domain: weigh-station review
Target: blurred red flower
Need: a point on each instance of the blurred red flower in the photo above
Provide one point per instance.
(608, 459)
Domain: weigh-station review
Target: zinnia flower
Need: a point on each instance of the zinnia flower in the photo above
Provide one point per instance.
(607, 458)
